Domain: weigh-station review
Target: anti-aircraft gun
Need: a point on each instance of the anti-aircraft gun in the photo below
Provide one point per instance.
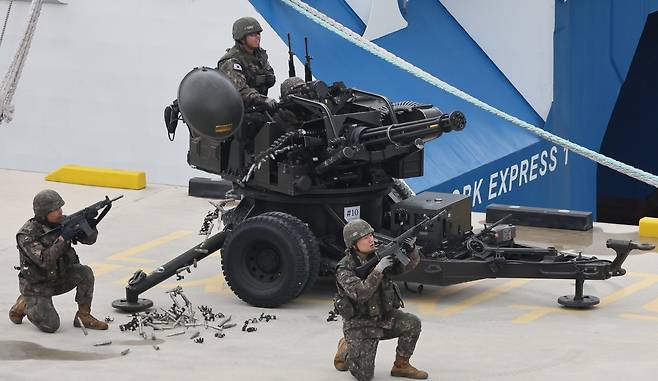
(331, 153)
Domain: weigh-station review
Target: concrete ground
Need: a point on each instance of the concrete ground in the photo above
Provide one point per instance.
(501, 329)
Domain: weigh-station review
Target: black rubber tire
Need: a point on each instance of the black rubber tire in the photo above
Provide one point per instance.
(265, 262)
(312, 246)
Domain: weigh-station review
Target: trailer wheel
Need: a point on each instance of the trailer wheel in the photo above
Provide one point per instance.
(312, 246)
(265, 262)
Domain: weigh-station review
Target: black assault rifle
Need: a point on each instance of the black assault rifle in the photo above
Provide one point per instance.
(393, 247)
(308, 74)
(85, 220)
(291, 61)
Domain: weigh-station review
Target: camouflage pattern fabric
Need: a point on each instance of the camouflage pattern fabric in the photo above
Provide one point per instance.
(364, 330)
(355, 230)
(251, 73)
(48, 265)
(244, 26)
(362, 343)
(45, 202)
(40, 310)
(290, 85)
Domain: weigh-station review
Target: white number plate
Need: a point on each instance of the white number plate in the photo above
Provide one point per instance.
(352, 213)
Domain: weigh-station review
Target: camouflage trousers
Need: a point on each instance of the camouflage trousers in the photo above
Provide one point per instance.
(40, 310)
(362, 343)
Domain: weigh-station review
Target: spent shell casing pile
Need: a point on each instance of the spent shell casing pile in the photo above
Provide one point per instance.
(181, 314)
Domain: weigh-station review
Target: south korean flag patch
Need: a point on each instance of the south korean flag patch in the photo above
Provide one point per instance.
(236, 66)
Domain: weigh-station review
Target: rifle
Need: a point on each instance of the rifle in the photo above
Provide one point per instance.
(291, 62)
(85, 220)
(308, 74)
(393, 248)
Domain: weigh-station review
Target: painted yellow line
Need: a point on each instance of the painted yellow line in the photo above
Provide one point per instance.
(427, 304)
(537, 312)
(127, 255)
(482, 297)
(648, 281)
(213, 285)
(101, 269)
(651, 306)
(639, 317)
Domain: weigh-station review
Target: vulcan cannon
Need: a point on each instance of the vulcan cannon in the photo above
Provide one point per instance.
(329, 154)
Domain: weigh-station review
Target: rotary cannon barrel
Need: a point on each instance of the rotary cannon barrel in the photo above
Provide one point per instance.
(408, 132)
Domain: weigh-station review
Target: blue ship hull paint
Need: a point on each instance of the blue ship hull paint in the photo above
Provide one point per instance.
(594, 45)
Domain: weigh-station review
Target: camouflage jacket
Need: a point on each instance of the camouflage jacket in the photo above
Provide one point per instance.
(44, 260)
(251, 73)
(373, 298)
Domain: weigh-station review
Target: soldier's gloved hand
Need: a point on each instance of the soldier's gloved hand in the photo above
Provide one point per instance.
(67, 233)
(271, 104)
(384, 263)
(409, 244)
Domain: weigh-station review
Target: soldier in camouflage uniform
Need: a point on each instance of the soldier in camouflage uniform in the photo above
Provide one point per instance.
(247, 67)
(369, 308)
(286, 116)
(50, 266)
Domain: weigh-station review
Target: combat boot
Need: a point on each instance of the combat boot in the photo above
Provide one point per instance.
(339, 359)
(90, 322)
(17, 311)
(402, 368)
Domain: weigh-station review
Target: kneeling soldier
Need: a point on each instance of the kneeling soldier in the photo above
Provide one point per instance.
(50, 266)
(369, 307)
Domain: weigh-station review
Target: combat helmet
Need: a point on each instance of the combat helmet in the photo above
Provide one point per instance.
(355, 230)
(245, 25)
(45, 202)
(290, 85)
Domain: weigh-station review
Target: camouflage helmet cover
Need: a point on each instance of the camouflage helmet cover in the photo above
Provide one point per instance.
(45, 202)
(289, 85)
(245, 25)
(355, 230)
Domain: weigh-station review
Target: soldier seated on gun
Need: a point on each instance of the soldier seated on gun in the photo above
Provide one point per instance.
(284, 116)
(50, 266)
(246, 65)
(369, 307)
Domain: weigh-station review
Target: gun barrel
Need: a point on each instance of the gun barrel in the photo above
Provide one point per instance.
(308, 74)
(344, 154)
(291, 62)
(402, 133)
(116, 198)
(455, 121)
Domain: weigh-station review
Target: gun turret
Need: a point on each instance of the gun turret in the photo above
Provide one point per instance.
(321, 138)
